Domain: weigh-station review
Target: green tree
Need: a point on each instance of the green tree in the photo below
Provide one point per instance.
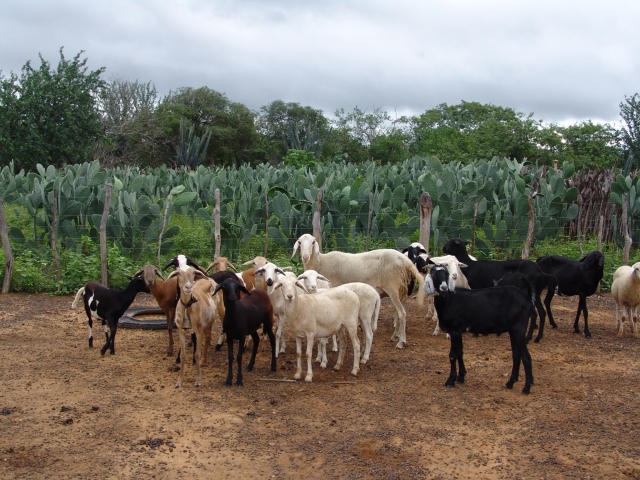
(630, 113)
(588, 144)
(233, 134)
(287, 126)
(471, 130)
(50, 116)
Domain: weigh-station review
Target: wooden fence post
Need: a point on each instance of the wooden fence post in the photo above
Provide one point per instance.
(54, 241)
(426, 207)
(266, 225)
(315, 223)
(103, 235)
(216, 224)
(625, 229)
(8, 254)
(532, 222)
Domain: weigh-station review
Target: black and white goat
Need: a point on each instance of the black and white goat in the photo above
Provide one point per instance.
(243, 316)
(482, 311)
(108, 305)
(575, 277)
(486, 273)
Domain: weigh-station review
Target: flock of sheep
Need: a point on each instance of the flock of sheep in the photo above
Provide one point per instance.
(339, 294)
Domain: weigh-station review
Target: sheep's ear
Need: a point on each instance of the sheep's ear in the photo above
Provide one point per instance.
(158, 272)
(211, 265)
(316, 247)
(322, 277)
(429, 288)
(422, 250)
(259, 271)
(302, 276)
(199, 275)
(215, 290)
(299, 285)
(405, 250)
(138, 274)
(462, 265)
(232, 266)
(295, 247)
(288, 268)
(279, 270)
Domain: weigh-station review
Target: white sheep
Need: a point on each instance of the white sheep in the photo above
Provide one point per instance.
(387, 270)
(369, 306)
(319, 315)
(625, 290)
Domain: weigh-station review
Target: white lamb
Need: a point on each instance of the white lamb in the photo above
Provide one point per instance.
(369, 306)
(387, 270)
(319, 315)
(625, 290)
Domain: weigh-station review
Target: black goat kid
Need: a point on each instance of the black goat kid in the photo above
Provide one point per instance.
(108, 305)
(482, 311)
(243, 316)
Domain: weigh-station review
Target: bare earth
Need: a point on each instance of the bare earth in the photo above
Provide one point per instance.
(66, 412)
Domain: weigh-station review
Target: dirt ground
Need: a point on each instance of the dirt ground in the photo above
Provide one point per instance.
(66, 412)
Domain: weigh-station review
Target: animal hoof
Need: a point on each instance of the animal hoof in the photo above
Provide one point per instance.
(308, 378)
(354, 372)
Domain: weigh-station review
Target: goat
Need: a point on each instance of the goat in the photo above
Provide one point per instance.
(484, 274)
(319, 315)
(243, 316)
(221, 264)
(165, 293)
(197, 309)
(369, 307)
(575, 277)
(108, 305)
(387, 270)
(482, 311)
(418, 256)
(625, 290)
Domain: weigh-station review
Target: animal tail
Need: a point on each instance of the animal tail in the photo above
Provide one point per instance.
(376, 314)
(415, 277)
(79, 295)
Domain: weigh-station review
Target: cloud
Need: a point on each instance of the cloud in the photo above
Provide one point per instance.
(557, 60)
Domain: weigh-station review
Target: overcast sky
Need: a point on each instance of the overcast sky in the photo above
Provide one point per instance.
(562, 61)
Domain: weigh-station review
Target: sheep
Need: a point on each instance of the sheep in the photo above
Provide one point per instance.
(197, 309)
(368, 313)
(266, 276)
(418, 256)
(454, 267)
(625, 290)
(243, 316)
(247, 276)
(164, 291)
(387, 270)
(108, 305)
(484, 273)
(575, 277)
(482, 311)
(319, 315)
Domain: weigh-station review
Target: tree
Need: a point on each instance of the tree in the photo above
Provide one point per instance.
(587, 144)
(233, 133)
(630, 113)
(49, 116)
(287, 126)
(126, 110)
(471, 130)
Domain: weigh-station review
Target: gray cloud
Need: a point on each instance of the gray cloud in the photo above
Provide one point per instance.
(561, 61)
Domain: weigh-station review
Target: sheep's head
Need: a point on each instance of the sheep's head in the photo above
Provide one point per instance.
(231, 290)
(310, 280)
(438, 281)
(257, 262)
(268, 274)
(287, 286)
(309, 247)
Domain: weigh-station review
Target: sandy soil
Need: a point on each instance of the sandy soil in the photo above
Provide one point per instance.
(67, 412)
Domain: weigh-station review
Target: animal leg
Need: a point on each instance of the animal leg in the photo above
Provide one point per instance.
(256, 340)
(585, 312)
(355, 343)
(401, 329)
(298, 373)
(309, 376)
(516, 357)
(229, 380)
(239, 361)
